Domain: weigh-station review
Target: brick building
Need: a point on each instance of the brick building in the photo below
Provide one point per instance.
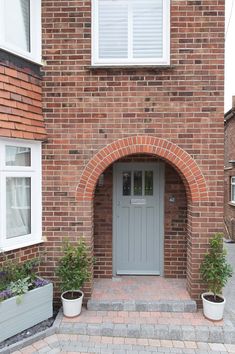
(229, 172)
(128, 108)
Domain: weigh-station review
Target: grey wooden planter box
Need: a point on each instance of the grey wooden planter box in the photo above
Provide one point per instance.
(35, 307)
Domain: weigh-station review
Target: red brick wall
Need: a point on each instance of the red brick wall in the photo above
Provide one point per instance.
(22, 254)
(175, 228)
(103, 223)
(86, 109)
(20, 103)
(175, 237)
(20, 116)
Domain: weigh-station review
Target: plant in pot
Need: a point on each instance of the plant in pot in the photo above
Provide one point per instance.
(215, 272)
(73, 271)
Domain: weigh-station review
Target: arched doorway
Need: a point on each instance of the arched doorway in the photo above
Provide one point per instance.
(143, 232)
(180, 160)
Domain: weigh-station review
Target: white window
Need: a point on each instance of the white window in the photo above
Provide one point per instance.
(233, 190)
(20, 28)
(20, 193)
(131, 32)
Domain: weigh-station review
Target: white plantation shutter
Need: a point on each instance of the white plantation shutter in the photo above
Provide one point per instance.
(131, 31)
(113, 29)
(147, 29)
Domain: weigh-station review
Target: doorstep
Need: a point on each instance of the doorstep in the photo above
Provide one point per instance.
(141, 293)
(147, 306)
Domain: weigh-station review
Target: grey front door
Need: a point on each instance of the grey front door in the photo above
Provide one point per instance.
(138, 218)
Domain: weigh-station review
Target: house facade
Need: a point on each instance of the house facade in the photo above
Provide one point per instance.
(229, 172)
(127, 106)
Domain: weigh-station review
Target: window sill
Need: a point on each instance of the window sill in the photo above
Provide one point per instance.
(22, 245)
(129, 67)
(231, 203)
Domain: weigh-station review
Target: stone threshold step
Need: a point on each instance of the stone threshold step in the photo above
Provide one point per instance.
(209, 334)
(137, 305)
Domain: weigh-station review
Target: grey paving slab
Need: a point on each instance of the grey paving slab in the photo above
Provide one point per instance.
(161, 306)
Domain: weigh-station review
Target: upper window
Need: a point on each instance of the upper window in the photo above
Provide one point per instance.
(20, 193)
(20, 28)
(131, 32)
(233, 190)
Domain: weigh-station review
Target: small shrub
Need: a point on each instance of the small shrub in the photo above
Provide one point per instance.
(214, 269)
(74, 266)
(18, 278)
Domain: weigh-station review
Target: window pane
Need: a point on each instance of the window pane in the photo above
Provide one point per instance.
(113, 29)
(17, 24)
(18, 156)
(147, 29)
(148, 183)
(126, 177)
(137, 182)
(18, 206)
(233, 192)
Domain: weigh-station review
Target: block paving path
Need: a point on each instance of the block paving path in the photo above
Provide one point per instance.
(69, 344)
(140, 331)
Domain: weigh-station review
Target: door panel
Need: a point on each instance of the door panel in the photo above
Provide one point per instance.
(138, 205)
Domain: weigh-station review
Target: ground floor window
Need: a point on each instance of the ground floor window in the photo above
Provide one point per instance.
(233, 189)
(20, 193)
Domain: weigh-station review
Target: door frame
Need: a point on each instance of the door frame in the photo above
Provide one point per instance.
(161, 212)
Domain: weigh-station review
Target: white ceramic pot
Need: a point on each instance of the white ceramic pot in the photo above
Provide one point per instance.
(72, 307)
(213, 310)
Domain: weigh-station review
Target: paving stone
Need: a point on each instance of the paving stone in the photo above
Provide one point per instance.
(142, 306)
(117, 306)
(203, 346)
(147, 331)
(161, 332)
(46, 349)
(216, 335)
(202, 333)
(217, 347)
(177, 306)
(93, 330)
(188, 333)
(190, 306)
(129, 306)
(79, 328)
(133, 331)
(120, 330)
(230, 348)
(175, 332)
(107, 329)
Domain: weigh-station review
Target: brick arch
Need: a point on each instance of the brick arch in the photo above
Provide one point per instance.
(186, 166)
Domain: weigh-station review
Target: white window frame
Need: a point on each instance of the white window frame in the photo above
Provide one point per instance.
(35, 173)
(165, 60)
(35, 33)
(232, 188)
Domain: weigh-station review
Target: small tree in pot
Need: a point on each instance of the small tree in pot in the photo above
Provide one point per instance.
(215, 272)
(73, 271)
